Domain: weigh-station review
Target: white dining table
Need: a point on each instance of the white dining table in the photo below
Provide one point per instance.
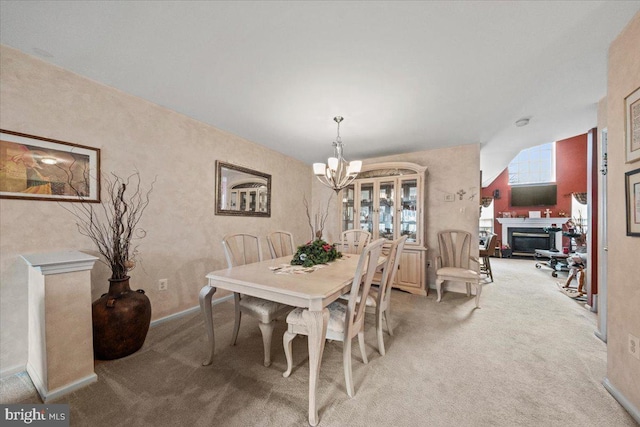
(313, 290)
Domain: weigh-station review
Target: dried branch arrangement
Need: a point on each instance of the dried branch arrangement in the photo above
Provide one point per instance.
(112, 224)
(319, 218)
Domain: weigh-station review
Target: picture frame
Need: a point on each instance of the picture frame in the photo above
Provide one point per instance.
(37, 168)
(632, 126)
(632, 192)
(241, 191)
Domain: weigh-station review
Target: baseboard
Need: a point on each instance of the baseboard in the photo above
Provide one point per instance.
(622, 400)
(9, 372)
(47, 395)
(600, 335)
(188, 311)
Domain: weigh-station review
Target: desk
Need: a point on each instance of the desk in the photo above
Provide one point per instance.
(314, 291)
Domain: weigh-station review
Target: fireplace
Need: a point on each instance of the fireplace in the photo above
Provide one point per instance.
(525, 240)
(533, 223)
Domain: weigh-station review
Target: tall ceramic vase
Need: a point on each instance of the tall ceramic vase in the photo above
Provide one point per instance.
(121, 321)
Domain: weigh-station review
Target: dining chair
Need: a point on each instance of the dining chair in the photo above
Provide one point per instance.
(354, 241)
(280, 244)
(346, 321)
(453, 262)
(378, 301)
(241, 249)
(485, 252)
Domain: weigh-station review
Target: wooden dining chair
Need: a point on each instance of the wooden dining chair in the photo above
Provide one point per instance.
(378, 301)
(241, 249)
(280, 244)
(346, 321)
(354, 241)
(454, 261)
(485, 255)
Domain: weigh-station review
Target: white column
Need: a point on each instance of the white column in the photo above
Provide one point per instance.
(60, 356)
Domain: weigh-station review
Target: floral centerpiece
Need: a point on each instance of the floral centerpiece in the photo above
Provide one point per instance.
(315, 252)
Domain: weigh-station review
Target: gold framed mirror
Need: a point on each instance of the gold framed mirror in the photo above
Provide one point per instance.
(241, 191)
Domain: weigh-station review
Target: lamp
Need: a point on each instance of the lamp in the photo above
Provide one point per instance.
(337, 173)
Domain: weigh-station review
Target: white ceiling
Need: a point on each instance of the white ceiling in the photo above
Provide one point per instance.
(407, 76)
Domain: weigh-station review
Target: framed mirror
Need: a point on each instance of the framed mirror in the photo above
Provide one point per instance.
(241, 191)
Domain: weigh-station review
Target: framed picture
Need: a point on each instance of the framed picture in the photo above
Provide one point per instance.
(632, 125)
(632, 186)
(36, 168)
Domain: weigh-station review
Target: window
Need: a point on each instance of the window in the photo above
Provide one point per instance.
(486, 220)
(534, 165)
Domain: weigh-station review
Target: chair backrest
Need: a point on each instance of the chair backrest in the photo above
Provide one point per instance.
(455, 248)
(354, 241)
(367, 265)
(490, 244)
(390, 269)
(280, 244)
(241, 249)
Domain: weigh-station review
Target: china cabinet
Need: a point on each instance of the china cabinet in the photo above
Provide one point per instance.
(387, 200)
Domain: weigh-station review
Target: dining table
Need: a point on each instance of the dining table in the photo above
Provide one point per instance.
(275, 280)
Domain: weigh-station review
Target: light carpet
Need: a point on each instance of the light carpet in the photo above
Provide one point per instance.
(528, 357)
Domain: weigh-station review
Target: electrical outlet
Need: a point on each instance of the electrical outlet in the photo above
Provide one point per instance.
(163, 284)
(428, 263)
(634, 346)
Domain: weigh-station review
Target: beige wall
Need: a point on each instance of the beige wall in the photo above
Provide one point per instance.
(183, 234)
(623, 278)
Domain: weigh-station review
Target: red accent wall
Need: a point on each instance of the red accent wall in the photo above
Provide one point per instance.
(571, 177)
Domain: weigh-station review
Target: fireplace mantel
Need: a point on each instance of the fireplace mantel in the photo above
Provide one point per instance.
(508, 223)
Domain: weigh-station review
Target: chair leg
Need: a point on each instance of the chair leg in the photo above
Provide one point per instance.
(236, 325)
(478, 291)
(267, 333)
(468, 289)
(379, 314)
(346, 361)
(363, 348)
(286, 341)
(439, 289)
(386, 318)
(488, 262)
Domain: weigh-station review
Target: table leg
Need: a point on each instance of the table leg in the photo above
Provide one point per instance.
(206, 294)
(316, 322)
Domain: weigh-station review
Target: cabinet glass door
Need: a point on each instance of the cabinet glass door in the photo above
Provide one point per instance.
(408, 214)
(366, 206)
(385, 210)
(348, 208)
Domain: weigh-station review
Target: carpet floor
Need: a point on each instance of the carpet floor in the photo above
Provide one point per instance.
(528, 357)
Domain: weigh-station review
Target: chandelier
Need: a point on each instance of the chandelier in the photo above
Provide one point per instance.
(337, 173)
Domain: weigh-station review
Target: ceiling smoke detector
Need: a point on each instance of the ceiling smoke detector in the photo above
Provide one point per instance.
(522, 122)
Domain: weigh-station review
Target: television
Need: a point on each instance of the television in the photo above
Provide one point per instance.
(534, 195)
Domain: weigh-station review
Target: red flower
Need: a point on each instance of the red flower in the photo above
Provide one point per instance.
(326, 247)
